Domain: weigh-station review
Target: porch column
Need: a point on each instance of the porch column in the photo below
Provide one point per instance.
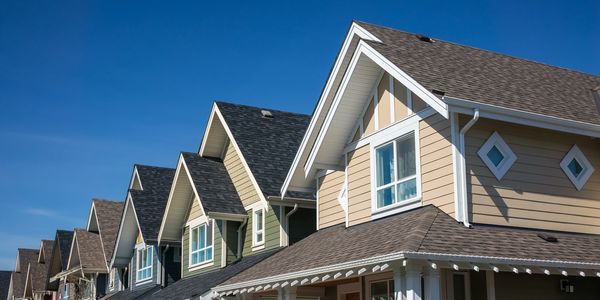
(399, 283)
(490, 285)
(280, 295)
(432, 285)
(413, 281)
(290, 293)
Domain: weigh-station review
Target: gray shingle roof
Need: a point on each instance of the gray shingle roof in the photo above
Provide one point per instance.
(64, 239)
(109, 218)
(138, 293)
(150, 203)
(91, 255)
(268, 145)
(48, 246)
(26, 256)
(38, 276)
(426, 230)
(197, 285)
(213, 184)
(490, 78)
(4, 283)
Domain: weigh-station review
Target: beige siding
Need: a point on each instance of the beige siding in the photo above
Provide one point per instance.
(437, 175)
(535, 192)
(383, 102)
(195, 210)
(330, 210)
(400, 101)
(359, 186)
(369, 119)
(240, 177)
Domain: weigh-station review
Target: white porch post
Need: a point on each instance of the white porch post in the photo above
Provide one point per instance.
(490, 285)
(413, 281)
(432, 285)
(399, 284)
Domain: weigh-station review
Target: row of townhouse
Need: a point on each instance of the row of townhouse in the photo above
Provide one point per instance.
(428, 170)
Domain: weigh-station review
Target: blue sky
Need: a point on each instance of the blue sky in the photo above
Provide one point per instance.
(87, 88)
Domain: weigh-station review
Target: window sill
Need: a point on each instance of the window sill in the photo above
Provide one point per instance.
(200, 266)
(143, 281)
(258, 247)
(395, 208)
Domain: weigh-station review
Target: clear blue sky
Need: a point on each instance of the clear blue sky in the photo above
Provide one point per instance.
(87, 88)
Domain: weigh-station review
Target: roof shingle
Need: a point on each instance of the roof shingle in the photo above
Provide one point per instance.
(90, 253)
(109, 219)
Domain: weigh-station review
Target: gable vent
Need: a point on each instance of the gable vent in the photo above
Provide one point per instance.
(424, 38)
(266, 114)
(547, 237)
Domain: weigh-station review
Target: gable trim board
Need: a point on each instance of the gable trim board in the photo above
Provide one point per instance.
(202, 151)
(128, 205)
(365, 52)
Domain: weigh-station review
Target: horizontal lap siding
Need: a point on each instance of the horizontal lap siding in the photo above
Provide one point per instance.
(359, 186)
(535, 192)
(239, 176)
(272, 228)
(195, 210)
(330, 210)
(185, 250)
(437, 173)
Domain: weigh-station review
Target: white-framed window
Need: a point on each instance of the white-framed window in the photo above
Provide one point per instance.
(201, 245)
(577, 167)
(396, 171)
(497, 155)
(258, 227)
(144, 263)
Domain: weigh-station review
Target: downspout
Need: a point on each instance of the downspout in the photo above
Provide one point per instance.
(164, 259)
(287, 223)
(239, 232)
(463, 167)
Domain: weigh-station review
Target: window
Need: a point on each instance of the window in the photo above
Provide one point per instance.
(497, 155)
(144, 263)
(577, 167)
(66, 291)
(258, 227)
(396, 171)
(382, 290)
(201, 247)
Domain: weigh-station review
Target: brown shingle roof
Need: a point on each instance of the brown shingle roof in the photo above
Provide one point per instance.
(109, 218)
(90, 250)
(424, 230)
(490, 78)
(26, 256)
(38, 274)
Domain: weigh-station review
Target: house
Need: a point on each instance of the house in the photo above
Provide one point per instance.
(225, 207)
(37, 274)
(57, 263)
(4, 283)
(16, 288)
(442, 171)
(139, 267)
(90, 253)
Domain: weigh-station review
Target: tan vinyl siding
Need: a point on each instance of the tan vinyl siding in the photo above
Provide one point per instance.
(383, 102)
(437, 173)
(195, 210)
(330, 210)
(272, 228)
(369, 118)
(400, 101)
(359, 186)
(185, 251)
(535, 192)
(240, 177)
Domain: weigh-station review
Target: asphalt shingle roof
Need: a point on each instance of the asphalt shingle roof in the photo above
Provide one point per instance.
(150, 203)
(26, 256)
(490, 78)
(4, 283)
(268, 145)
(197, 285)
(139, 293)
(109, 219)
(38, 274)
(64, 239)
(426, 230)
(91, 255)
(213, 184)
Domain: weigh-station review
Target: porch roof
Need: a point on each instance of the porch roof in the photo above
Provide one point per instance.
(425, 233)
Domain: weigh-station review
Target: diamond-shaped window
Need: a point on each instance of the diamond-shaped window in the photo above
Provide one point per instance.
(497, 155)
(577, 168)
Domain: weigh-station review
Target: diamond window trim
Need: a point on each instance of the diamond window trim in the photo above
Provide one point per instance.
(587, 169)
(509, 157)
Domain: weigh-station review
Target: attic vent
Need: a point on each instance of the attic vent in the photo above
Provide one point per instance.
(596, 95)
(438, 92)
(547, 237)
(424, 38)
(266, 114)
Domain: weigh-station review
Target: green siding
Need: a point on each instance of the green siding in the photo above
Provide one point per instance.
(217, 246)
(272, 227)
(232, 240)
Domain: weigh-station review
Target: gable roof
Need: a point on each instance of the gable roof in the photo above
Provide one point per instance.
(89, 251)
(491, 78)
(47, 247)
(194, 286)
(427, 231)
(25, 256)
(37, 275)
(63, 241)
(157, 179)
(213, 184)
(4, 283)
(268, 145)
(108, 215)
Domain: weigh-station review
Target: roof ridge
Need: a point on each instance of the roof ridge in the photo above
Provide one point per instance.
(154, 167)
(437, 213)
(485, 50)
(262, 108)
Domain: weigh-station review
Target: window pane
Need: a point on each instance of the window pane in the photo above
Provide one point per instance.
(209, 253)
(379, 290)
(406, 156)
(385, 164)
(575, 167)
(202, 237)
(259, 217)
(209, 235)
(195, 239)
(495, 156)
(407, 189)
(149, 261)
(259, 237)
(195, 258)
(385, 197)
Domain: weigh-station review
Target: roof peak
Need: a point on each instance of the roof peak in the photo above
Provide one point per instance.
(260, 108)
